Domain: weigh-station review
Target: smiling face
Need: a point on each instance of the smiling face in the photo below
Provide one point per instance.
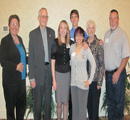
(14, 27)
(63, 30)
(79, 35)
(79, 38)
(91, 29)
(43, 18)
(74, 20)
(114, 21)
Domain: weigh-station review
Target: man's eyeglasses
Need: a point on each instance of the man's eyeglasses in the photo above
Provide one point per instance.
(44, 17)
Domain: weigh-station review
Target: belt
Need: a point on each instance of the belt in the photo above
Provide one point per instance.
(46, 63)
(111, 71)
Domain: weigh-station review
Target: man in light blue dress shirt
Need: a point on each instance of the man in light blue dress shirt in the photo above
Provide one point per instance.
(74, 18)
(116, 55)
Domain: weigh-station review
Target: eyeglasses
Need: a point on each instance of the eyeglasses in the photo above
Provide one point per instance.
(14, 24)
(44, 17)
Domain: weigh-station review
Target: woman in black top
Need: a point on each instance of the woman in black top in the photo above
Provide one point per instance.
(61, 68)
(13, 62)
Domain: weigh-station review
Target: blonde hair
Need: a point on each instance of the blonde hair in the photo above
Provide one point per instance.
(89, 22)
(67, 37)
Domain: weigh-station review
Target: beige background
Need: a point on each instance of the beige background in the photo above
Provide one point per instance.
(58, 10)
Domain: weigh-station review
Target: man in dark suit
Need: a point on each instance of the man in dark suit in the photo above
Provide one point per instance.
(40, 44)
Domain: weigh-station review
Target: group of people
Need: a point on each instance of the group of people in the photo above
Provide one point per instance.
(73, 63)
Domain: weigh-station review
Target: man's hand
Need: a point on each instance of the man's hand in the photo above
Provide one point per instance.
(33, 84)
(85, 46)
(101, 42)
(115, 77)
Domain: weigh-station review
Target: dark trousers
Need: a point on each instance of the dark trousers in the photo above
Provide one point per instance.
(70, 107)
(15, 97)
(93, 101)
(41, 92)
(115, 94)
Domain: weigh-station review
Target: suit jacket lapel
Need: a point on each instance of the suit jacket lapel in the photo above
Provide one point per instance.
(12, 42)
(13, 46)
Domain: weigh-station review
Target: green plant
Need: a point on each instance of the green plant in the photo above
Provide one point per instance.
(127, 98)
(104, 105)
(30, 103)
(127, 95)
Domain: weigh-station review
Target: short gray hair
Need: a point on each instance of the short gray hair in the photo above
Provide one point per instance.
(40, 10)
(91, 21)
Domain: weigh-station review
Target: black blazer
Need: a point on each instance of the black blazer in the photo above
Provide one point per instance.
(9, 58)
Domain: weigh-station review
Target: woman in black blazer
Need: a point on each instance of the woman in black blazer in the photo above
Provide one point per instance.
(13, 61)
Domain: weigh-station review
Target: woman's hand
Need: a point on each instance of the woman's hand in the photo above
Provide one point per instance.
(20, 67)
(85, 46)
(54, 85)
(99, 87)
(86, 84)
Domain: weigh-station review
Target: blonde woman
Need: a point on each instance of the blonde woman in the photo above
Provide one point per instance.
(61, 69)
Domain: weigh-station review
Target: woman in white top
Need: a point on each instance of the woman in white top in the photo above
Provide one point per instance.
(79, 77)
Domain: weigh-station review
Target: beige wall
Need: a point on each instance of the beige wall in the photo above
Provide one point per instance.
(27, 10)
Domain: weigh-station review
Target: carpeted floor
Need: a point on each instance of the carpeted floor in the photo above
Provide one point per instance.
(101, 118)
(62, 119)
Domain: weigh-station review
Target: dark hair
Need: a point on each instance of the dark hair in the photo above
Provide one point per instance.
(75, 12)
(14, 17)
(114, 10)
(79, 30)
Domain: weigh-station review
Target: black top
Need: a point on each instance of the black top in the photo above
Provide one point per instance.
(10, 57)
(61, 55)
